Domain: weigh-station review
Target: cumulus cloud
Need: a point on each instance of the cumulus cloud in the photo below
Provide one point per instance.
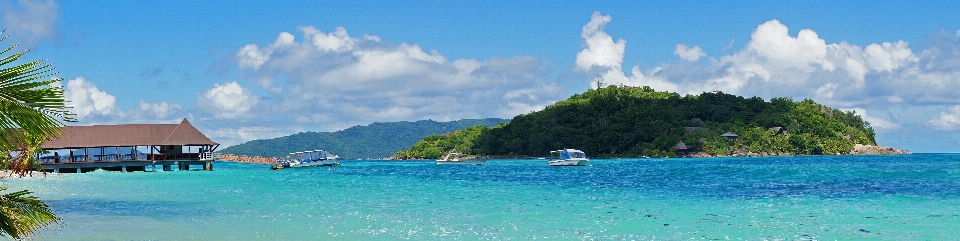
(773, 64)
(602, 55)
(86, 100)
(94, 106)
(227, 101)
(31, 20)
(599, 48)
(332, 78)
(948, 120)
(251, 56)
(772, 42)
(689, 54)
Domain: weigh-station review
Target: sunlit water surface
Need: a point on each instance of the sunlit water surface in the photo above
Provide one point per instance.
(908, 197)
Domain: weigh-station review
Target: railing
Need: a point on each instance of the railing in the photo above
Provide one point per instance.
(183, 156)
(206, 156)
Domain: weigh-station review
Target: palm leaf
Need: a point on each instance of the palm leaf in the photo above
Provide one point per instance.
(21, 214)
(32, 111)
(30, 106)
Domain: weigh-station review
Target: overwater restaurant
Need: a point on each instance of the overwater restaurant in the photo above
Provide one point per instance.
(128, 147)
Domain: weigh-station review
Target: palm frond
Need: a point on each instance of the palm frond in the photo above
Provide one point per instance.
(22, 214)
(30, 106)
(32, 111)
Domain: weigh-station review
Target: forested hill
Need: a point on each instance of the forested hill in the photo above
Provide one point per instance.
(376, 140)
(634, 121)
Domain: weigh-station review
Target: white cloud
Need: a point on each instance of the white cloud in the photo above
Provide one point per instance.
(94, 106)
(160, 110)
(599, 48)
(227, 101)
(250, 56)
(826, 91)
(772, 41)
(338, 40)
(88, 101)
(601, 53)
(31, 20)
(947, 121)
(888, 56)
(689, 54)
(363, 79)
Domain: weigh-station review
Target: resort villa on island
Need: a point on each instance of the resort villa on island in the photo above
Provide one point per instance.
(128, 147)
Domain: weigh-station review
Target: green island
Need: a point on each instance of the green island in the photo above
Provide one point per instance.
(625, 121)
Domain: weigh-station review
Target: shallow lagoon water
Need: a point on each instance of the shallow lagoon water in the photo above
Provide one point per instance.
(907, 197)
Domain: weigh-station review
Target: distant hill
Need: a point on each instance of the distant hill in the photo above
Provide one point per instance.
(633, 121)
(377, 140)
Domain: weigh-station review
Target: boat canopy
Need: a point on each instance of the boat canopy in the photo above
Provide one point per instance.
(570, 153)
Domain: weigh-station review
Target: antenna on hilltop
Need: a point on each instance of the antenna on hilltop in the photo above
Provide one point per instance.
(599, 81)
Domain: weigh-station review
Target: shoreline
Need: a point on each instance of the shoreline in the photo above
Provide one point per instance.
(4, 174)
(857, 149)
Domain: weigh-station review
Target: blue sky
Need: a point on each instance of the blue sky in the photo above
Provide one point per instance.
(245, 70)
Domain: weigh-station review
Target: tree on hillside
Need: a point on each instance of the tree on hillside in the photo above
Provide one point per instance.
(32, 111)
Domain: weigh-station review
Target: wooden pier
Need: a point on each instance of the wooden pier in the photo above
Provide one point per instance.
(128, 147)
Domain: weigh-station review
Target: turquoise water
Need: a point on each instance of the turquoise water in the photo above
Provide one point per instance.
(909, 197)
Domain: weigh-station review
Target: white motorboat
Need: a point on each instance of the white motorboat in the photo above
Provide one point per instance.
(567, 157)
(309, 159)
(455, 158)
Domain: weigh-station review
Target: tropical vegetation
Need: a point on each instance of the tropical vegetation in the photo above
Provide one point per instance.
(32, 110)
(435, 146)
(625, 121)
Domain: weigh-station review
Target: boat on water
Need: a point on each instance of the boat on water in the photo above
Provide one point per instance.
(456, 158)
(567, 157)
(307, 159)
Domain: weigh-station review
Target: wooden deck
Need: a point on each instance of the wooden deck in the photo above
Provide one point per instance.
(127, 166)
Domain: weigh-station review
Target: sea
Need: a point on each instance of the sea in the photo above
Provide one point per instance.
(887, 197)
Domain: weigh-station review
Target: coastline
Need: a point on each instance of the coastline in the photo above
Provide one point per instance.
(8, 174)
(858, 149)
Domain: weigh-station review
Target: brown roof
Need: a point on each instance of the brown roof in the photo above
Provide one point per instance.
(129, 135)
(680, 146)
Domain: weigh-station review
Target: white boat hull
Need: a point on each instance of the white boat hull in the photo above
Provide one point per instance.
(568, 162)
(462, 162)
(330, 162)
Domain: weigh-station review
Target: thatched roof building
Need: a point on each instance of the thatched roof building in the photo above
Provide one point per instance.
(680, 146)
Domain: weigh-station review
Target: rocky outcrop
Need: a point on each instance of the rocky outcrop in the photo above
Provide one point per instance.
(876, 150)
